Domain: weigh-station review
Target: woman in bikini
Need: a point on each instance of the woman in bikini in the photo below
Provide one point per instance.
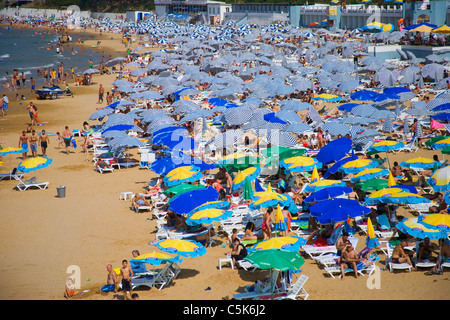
(266, 227)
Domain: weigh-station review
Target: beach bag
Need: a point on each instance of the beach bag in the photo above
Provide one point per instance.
(107, 288)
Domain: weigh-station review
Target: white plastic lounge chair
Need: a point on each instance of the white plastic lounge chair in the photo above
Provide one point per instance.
(261, 289)
(409, 147)
(367, 265)
(106, 169)
(423, 263)
(24, 185)
(391, 265)
(296, 291)
(445, 262)
(14, 174)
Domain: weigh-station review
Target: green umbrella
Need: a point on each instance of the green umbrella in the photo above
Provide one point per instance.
(430, 142)
(239, 164)
(372, 184)
(275, 259)
(248, 191)
(445, 150)
(269, 152)
(182, 188)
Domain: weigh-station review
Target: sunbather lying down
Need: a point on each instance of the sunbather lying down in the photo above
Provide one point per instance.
(139, 201)
(102, 164)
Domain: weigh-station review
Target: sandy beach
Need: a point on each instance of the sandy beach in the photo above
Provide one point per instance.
(43, 236)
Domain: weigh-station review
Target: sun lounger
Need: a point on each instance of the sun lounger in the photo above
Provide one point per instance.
(295, 292)
(391, 265)
(14, 174)
(260, 289)
(424, 263)
(367, 265)
(32, 183)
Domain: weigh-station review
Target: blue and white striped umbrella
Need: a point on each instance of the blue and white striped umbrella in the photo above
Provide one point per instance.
(387, 126)
(363, 110)
(238, 116)
(419, 132)
(297, 128)
(336, 128)
(281, 139)
(225, 139)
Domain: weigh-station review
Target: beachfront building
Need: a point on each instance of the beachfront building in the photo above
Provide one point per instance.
(138, 15)
(258, 13)
(204, 11)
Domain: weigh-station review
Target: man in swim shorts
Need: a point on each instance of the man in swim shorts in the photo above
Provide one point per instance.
(127, 274)
(101, 91)
(67, 136)
(5, 103)
(33, 143)
(44, 141)
(23, 143)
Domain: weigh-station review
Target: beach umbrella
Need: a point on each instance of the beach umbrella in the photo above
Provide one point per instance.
(415, 228)
(356, 166)
(335, 167)
(248, 190)
(381, 195)
(208, 216)
(9, 151)
(440, 180)
(156, 258)
(185, 202)
(249, 174)
(180, 169)
(183, 176)
(364, 95)
(280, 223)
(372, 184)
(368, 174)
(327, 193)
(371, 240)
(386, 145)
(444, 29)
(269, 198)
(323, 184)
(298, 164)
(218, 204)
(441, 144)
(334, 150)
(438, 221)
(420, 163)
(184, 248)
(337, 210)
(405, 198)
(119, 127)
(182, 188)
(290, 243)
(327, 97)
(238, 161)
(282, 139)
(275, 259)
(33, 164)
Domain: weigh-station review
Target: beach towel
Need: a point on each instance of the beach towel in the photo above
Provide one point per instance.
(74, 142)
(107, 288)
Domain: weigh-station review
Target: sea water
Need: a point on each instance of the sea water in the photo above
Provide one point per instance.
(29, 50)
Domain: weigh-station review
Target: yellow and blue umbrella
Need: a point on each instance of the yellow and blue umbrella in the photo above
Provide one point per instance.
(299, 164)
(219, 204)
(371, 240)
(416, 229)
(420, 163)
(356, 166)
(381, 195)
(405, 198)
(184, 248)
(269, 198)
(291, 243)
(182, 177)
(250, 173)
(368, 174)
(155, 258)
(181, 169)
(440, 180)
(386, 145)
(325, 183)
(11, 150)
(280, 223)
(33, 164)
(208, 216)
(391, 180)
(315, 175)
(436, 221)
(327, 97)
(441, 144)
